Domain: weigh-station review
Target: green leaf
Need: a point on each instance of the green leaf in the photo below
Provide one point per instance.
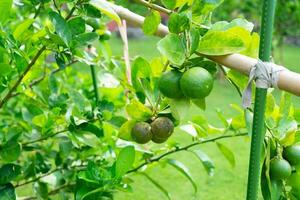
(10, 151)
(9, 172)
(227, 153)
(125, 130)
(41, 190)
(184, 170)
(5, 8)
(178, 22)
(5, 69)
(190, 129)
(194, 39)
(206, 161)
(7, 192)
(61, 27)
(89, 127)
(106, 9)
(151, 23)
(140, 69)
(84, 39)
(138, 111)
(202, 8)
(22, 28)
(125, 161)
(91, 11)
(170, 4)
(160, 187)
(270, 104)
(179, 107)
(221, 43)
(39, 120)
(238, 22)
(200, 103)
(87, 138)
(76, 25)
(172, 48)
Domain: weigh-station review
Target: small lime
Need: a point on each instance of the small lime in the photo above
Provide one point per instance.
(196, 83)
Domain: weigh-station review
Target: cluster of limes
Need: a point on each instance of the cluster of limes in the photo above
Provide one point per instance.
(194, 83)
(282, 168)
(158, 130)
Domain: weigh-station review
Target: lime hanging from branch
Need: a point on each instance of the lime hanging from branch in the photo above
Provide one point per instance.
(280, 169)
(169, 84)
(292, 154)
(141, 133)
(196, 83)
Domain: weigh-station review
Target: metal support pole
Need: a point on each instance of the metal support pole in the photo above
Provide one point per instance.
(260, 102)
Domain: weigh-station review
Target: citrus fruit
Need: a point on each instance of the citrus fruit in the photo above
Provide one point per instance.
(294, 181)
(162, 128)
(159, 140)
(141, 133)
(280, 169)
(196, 83)
(169, 84)
(292, 154)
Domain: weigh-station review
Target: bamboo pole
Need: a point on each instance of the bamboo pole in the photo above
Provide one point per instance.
(288, 81)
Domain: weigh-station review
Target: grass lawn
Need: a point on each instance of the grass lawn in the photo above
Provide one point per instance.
(227, 183)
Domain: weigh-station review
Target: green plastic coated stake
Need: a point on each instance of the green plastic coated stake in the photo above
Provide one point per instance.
(260, 102)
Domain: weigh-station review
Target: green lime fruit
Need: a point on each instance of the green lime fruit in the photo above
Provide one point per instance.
(169, 84)
(93, 23)
(294, 181)
(162, 128)
(141, 133)
(196, 83)
(280, 169)
(292, 154)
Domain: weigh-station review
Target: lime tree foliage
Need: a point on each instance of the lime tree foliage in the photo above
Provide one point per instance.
(76, 123)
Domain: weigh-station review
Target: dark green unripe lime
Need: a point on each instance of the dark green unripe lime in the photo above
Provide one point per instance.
(292, 154)
(93, 23)
(280, 169)
(141, 133)
(162, 128)
(158, 140)
(196, 83)
(169, 84)
(105, 36)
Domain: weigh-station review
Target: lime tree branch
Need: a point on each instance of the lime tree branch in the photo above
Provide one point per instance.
(11, 91)
(185, 148)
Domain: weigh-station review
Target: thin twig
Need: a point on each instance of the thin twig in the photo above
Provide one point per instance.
(156, 159)
(43, 138)
(231, 81)
(154, 6)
